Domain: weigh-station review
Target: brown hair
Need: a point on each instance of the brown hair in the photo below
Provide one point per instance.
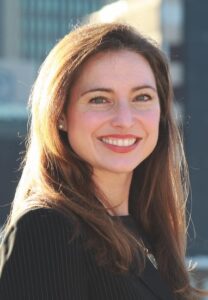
(54, 176)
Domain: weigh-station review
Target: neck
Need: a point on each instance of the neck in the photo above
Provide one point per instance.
(115, 188)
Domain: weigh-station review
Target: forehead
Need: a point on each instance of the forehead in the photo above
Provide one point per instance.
(109, 67)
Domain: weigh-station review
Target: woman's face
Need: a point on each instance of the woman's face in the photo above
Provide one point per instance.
(112, 118)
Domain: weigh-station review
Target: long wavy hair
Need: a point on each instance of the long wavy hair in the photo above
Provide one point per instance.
(54, 176)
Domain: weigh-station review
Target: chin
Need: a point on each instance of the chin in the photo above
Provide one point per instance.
(121, 169)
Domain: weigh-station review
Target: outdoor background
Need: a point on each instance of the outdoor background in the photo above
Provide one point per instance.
(30, 28)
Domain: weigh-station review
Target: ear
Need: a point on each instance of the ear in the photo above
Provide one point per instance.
(62, 123)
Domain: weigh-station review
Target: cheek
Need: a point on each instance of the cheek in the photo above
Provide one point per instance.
(152, 129)
(152, 120)
(83, 123)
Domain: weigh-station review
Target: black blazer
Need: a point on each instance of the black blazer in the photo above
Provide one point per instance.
(40, 261)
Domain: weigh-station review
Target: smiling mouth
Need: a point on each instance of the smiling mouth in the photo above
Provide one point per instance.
(120, 142)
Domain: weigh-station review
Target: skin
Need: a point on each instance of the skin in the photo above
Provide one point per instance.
(112, 120)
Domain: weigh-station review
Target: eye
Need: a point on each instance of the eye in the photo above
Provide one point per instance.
(143, 98)
(98, 100)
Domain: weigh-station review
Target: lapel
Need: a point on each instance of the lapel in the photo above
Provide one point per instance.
(150, 276)
(152, 279)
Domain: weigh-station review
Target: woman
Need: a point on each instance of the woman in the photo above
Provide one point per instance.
(99, 212)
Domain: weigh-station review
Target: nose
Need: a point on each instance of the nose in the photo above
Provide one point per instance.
(123, 116)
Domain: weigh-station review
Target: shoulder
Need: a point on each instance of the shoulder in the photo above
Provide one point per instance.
(42, 247)
(45, 217)
(40, 227)
(41, 223)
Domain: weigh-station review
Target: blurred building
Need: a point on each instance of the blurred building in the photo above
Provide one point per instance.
(196, 115)
(33, 26)
(142, 14)
(1, 27)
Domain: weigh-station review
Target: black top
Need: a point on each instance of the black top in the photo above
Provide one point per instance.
(45, 264)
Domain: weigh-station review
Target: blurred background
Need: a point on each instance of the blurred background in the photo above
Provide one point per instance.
(30, 28)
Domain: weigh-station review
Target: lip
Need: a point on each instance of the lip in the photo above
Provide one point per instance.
(120, 136)
(121, 149)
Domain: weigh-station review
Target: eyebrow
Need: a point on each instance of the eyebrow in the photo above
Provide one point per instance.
(144, 87)
(97, 90)
(100, 89)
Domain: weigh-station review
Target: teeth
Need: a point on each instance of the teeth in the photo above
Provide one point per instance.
(119, 142)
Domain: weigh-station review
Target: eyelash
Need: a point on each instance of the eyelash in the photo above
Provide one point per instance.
(148, 97)
(103, 100)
